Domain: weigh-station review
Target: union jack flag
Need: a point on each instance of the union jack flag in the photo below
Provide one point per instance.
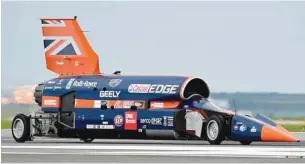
(53, 23)
(65, 45)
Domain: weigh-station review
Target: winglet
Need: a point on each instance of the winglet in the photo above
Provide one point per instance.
(67, 51)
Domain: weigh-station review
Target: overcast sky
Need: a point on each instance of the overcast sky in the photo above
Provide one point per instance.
(234, 46)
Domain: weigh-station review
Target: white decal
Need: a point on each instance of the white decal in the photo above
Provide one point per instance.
(99, 126)
(60, 63)
(156, 121)
(170, 121)
(110, 93)
(253, 129)
(243, 128)
(51, 82)
(164, 121)
(145, 121)
(87, 84)
(89, 126)
(50, 102)
(69, 84)
(149, 88)
(118, 120)
(130, 118)
(114, 82)
(57, 87)
(48, 87)
(157, 104)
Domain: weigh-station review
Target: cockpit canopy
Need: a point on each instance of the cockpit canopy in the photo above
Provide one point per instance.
(204, 103)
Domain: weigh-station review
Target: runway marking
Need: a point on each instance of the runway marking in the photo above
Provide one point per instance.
(159, 147)
(161, 150)
(169, 153)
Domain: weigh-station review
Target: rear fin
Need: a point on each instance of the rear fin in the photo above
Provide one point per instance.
(67, 51)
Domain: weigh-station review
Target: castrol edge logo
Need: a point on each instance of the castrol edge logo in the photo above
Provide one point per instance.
(153, 88)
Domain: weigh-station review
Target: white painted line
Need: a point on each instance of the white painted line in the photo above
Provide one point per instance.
(159, 147)
(171, 153)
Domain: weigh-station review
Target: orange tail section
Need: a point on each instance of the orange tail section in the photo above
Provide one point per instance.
(67, 51)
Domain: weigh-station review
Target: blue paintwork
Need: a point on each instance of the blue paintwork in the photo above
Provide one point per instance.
(239, 135)
(266, 119)
(83, 117)
(60, 86)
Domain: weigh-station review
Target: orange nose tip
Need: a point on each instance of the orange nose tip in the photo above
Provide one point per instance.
(277, 134)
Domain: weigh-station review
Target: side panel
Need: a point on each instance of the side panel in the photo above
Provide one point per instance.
(121, 119)
(245, 129)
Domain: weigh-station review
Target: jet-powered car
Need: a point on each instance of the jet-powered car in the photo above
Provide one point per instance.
(84, 103)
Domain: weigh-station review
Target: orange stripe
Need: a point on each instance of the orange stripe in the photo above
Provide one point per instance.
(82, 103)
(164, 104)
(50, 102)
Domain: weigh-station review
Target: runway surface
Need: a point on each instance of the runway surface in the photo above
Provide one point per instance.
(48, 150)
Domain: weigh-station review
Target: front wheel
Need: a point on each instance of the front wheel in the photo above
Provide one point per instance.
(245, 142)
(21, 128)
(215, 130)
(87, 140)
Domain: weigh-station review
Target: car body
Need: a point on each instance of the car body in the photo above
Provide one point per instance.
(84, 103)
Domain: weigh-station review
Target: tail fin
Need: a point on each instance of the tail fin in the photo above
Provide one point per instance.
(67, 51)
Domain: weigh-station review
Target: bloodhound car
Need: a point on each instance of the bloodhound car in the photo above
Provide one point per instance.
(81, 102)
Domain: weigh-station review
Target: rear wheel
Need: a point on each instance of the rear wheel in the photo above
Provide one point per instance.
(21, 128)
(214, 130)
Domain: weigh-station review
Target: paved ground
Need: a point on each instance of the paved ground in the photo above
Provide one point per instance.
(154, 151)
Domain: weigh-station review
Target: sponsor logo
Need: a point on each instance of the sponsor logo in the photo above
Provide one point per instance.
(114, 82)
(57, 87)
(164, 121)
(50, 102)
(104, 103)
(76, 63)
(145, 121)
(153, 88)
(102, 117)
(87, 84)
(60, 63)
(48, 87)
(153, 121)
(118, 120)
(138, 104)
(110, 93)
(243, 128)
(156, 121)
(51, 82)
(235, 127)
(59, 82)
(105, 122)
(69, 84)
(157, 105)
(170, 121)
(253, 129)
(131, 120)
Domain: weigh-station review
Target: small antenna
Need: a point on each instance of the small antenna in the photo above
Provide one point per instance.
(234, 105)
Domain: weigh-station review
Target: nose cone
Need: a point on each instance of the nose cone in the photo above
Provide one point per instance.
(277, 134)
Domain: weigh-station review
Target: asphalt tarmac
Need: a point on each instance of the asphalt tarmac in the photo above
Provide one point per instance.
(50, 150)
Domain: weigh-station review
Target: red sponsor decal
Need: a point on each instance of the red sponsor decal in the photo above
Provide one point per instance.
(118, 120)
(131, 120)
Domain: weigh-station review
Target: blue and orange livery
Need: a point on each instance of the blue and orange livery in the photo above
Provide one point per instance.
(84, 103)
